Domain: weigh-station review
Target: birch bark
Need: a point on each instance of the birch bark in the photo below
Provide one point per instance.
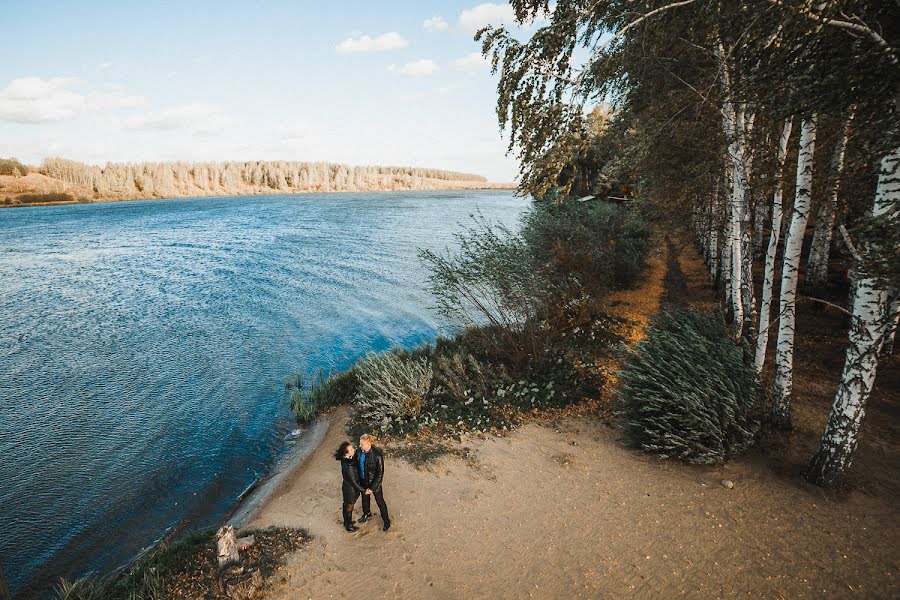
(790, 271)
(762, 338)
(869, 324)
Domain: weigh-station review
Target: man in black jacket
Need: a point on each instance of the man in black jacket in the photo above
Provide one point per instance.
(371, 469)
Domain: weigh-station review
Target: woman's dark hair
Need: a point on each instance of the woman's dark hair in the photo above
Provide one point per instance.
(342, 450)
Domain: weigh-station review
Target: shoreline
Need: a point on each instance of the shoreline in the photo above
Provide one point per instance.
(485, 186)
(300, 445)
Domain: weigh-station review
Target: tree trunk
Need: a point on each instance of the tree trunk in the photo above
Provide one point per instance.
(226, 547)
(762, 338)
(714, 226)
(831, 461)
(760, 214)
(733, 126)
(888, 347)
(790, 271)
(820, 250)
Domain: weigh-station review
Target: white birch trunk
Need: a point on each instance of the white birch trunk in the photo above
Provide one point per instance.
(762, 338)
(725, 262)
(733, 126)
(820, 250)
(790, 271)
(867, 329)
(714, 226)
(748, 299)
(736, 210)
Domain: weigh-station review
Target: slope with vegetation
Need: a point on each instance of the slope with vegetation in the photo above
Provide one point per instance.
(715, 104)
(529, 311)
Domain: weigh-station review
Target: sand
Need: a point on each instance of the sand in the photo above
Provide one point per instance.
(565, 510)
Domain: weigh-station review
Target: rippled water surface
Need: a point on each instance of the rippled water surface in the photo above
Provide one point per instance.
(144, 346)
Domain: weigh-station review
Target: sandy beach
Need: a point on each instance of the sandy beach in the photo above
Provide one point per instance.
(563, 509)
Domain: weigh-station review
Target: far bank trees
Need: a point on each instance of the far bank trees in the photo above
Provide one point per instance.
(169, 179)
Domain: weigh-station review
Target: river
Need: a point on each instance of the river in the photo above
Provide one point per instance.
(144, 347)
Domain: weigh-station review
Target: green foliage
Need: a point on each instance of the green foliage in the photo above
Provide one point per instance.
(686, 391)
(323, 392)
(595, 244)
(41, 198)
(492, 279)
(392, 386)
(12, 166)
(185, 568)
(879, 239)
(81, 589)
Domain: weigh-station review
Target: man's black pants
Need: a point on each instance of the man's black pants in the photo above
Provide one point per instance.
(379, 500)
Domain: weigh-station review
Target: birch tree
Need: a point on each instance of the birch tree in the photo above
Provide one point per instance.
(790, 274)
(868, 326)
(820, 248)
(762, 338)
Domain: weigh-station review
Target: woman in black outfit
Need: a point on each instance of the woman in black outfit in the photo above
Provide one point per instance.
(351, 487)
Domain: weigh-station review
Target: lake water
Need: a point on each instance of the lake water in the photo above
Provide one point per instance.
(144, 347)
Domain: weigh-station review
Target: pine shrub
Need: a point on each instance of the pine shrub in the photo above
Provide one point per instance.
(687, 392)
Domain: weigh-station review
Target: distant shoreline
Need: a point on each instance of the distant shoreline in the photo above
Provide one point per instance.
(479, 186)
(62, 181)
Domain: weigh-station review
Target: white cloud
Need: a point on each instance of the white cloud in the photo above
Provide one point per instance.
(471, 63)
(435, 24)
(366, 43)
(37, 100)
(416, 68)
(473, 19)
(202, 119)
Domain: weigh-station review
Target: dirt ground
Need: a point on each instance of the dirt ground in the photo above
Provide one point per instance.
(565, 510)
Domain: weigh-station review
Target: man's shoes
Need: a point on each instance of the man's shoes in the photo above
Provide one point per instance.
(365, 517)
(351, 527)
(387, 525)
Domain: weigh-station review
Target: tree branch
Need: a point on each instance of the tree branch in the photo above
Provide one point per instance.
(857, 27)
(846, 237)
(622, 32)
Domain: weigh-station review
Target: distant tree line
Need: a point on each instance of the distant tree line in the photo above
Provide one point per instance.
(12, 166)
(165, 179)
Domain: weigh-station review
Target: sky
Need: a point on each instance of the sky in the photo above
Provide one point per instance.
(390, 83)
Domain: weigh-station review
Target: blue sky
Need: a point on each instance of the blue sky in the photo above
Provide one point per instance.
(354, 82)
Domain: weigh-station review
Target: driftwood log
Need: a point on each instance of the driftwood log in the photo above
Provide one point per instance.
(226, 547)
(236, 581)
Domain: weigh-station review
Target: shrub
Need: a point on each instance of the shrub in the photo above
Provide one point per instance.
(594, 244)
(323, 392)
(186, 568)
(492, 281)
(391, 386)
(49, 197)
(12, 166)
(686, 391)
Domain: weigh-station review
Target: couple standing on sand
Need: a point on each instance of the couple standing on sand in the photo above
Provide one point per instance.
(363, 473)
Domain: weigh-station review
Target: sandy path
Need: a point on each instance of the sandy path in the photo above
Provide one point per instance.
(541, 517)
(566, 511)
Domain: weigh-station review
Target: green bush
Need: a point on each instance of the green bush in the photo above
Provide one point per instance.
(323, 392)
(185, 568)
(12, 166)
(686, 391)
(391, 386)
(491, 283)
(50, 197)
(595, 244)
